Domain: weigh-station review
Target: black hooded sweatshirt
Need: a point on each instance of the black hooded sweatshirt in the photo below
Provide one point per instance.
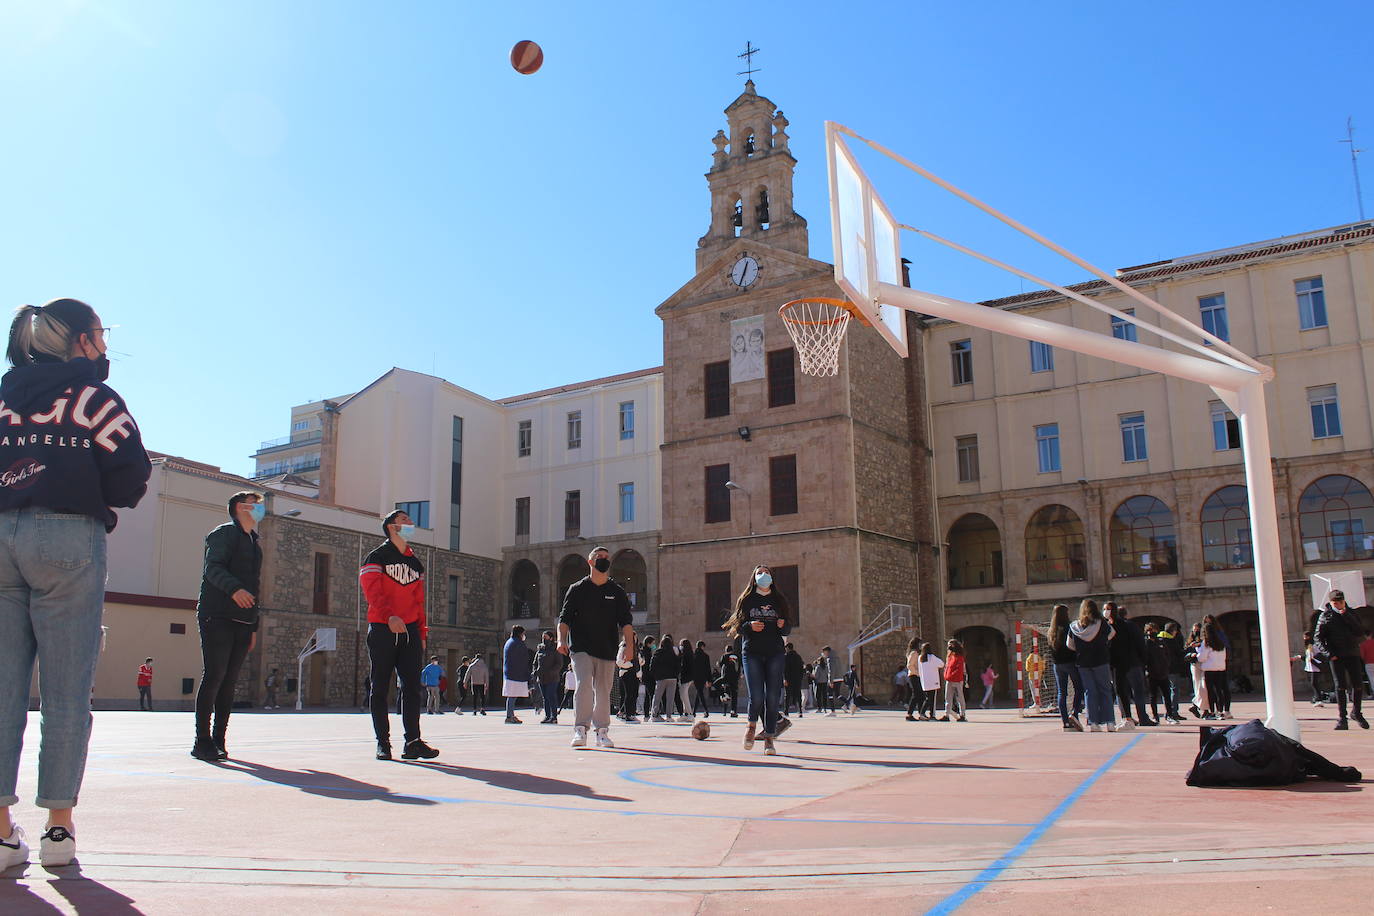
(68, 443)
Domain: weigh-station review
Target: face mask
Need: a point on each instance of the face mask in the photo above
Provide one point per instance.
(102, 367)
(764, 580)
(258, 512)
(406, 531)
(601, 564)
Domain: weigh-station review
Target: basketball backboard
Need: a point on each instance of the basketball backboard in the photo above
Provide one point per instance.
(867, 251)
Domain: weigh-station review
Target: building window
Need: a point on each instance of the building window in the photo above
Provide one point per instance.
(787, 580)
(319, 592)
(719, 601)
(418, 512)
(974, 553)
(1336, 520)
(1041, 357)
(627, 502)
(1047, 447)
(1143, 540)
(1213, 309)
(572, 514)
(717, 389)
(455, 600)
(455, 508)
(717, 495)
(966, 450)
(522, 519)
(1225, 428)
(1054, 546)
(574, 429)
(300, 426)
(1226, 530)
(961, 359)
(1326, 411)
(1311, 303)
(178, 629)
(1123, 329)
(782, 377)
(782, 485)
(1133, 437)
(627, 419)
(524, 438)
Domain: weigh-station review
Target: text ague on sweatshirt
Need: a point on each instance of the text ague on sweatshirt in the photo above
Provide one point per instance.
(108, 426)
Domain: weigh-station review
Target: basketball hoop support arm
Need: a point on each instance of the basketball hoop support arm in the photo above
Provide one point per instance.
(1242, 387)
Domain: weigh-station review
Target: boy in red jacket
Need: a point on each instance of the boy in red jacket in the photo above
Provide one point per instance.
(145, 685)
(393, 580)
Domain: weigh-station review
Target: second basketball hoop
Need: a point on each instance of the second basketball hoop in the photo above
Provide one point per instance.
(817, 327)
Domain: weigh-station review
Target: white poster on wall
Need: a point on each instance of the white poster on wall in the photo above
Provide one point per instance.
(1351, 582)
(746, 349)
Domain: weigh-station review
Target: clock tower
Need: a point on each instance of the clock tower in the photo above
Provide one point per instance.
(751, 181)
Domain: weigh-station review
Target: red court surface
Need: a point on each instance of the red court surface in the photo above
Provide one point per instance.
(870, 814)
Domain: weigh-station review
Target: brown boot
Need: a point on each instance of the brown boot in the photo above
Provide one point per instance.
(749, 737)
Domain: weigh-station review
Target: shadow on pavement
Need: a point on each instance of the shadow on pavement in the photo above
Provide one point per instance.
(84, 896)
(875, 747)
(517, 782)
(318, 782)
(900, 764)
(771, 762)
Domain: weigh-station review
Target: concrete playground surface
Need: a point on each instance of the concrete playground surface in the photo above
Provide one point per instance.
(865, 814)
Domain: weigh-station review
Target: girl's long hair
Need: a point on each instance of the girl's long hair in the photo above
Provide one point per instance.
(1211, 635)
(913, 644)
(956, 647)
(1088, 612)
(925, 651)
(1059, 622)
(736, 618)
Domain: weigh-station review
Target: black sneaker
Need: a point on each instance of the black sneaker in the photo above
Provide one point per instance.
(417, 749)
(784, 724)
(1359, 717)
(1342, 726)
(220, 752)
(1197, 713)
(205, 750)
(383, 750)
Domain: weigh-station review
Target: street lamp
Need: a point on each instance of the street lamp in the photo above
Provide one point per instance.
(749, 502)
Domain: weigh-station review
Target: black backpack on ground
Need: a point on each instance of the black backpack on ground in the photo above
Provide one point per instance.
(1249, 754)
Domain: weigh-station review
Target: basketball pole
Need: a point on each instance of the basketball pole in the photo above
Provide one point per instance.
(1241, 388)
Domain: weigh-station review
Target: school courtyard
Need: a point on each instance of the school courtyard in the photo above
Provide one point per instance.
(866, 814)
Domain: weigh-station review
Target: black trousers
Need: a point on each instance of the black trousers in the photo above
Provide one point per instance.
(395, 655)
(223, 647)
(701, 697)
(793, 694)
(1218, 697)
(629, 693)
(479, 697)
(1349, 676)
(823, 701)
(648, 694)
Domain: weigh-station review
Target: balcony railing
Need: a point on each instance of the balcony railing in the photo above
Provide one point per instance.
(304, 438)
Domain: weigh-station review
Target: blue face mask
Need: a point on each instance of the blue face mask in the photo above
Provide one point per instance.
(258, 512)
(406, 531)
(764, 580)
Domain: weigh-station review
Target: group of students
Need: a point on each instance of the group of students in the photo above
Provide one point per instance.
(926, 672)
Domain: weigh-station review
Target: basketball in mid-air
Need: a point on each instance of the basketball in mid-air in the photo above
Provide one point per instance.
(701, 730)
(526, 57)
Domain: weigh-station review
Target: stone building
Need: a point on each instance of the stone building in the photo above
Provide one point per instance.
(1062, 476)
(824, 479)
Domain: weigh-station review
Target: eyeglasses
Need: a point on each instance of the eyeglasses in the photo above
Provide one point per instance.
(105, 331)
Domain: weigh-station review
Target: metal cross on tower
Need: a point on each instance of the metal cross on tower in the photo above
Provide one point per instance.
(748, 55)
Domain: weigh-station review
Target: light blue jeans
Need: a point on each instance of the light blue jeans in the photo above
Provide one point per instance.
(52, 594)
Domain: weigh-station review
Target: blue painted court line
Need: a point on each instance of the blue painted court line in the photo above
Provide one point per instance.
(630, 776)
(989, 874)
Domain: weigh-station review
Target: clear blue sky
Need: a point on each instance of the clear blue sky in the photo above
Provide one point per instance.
(278, 201)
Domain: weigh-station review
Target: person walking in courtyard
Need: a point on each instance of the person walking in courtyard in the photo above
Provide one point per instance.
(989, 678)
(548, 668)
(1190, 656)
(1127, 653)
(729, 683)
(1065, 670)
(665, 668)
(515, 672)
(646, 677)
(1090, 638)
(1337, 634)
(929, 665)
(701, 677)
(144, 682)
(227, 614)
(71, 452)
(684, 681)
(955, 673)
(823, 673)
(271, 683)
(915, 695)
(393, 581)
(430, 677)
(852, 690)
(1211, 658)
(1157, 675)
(793, 671)
(596, 630)
(760, 620)
(627, 669)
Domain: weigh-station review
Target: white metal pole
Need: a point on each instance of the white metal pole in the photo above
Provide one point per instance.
(300, 680)
(1264, 533)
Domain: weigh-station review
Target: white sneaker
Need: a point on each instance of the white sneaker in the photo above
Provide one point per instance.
(603, 738)
(831, 713)
(1094, 728)
(1126, 726)
(14, 849)
(579, 738)
(58, 847)
(1112, 728)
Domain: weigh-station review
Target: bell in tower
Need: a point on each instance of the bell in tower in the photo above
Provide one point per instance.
(761, 211)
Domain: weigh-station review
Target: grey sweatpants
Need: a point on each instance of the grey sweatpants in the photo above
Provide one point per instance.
(592, 699)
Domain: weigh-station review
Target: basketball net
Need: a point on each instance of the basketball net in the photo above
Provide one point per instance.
(817, 328)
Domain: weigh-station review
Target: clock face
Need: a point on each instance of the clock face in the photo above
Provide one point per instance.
(745, 272)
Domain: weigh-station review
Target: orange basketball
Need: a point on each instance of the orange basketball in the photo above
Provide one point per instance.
(526, 57)
(702, 730)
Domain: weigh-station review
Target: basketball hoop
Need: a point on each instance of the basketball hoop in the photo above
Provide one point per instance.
(817, 327)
